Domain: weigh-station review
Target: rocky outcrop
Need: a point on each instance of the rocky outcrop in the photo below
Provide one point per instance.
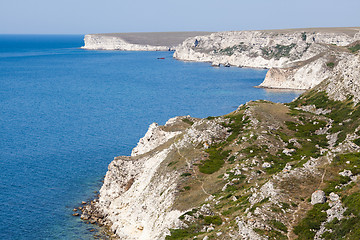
(297, 59)
(147, 41)
(104, 42)
(137, 198)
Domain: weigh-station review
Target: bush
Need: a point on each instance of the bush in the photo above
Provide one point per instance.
(216, 220)
(330, 64)
(186, 174)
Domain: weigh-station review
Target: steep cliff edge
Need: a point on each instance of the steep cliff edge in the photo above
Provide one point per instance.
(296, 58)
(264, 171)
(142, 41)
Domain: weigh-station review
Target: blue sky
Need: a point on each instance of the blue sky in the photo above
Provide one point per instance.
(90, 16)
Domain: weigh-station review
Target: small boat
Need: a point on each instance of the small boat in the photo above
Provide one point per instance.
(161, 58)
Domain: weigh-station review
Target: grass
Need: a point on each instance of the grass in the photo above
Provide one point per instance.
(265, 200)
(355, 48)
(217, 154)
(278, 225)
(348, 227)
(188, 121)
(189, 232)
(216, 220)
(307, 226)
(215, 161)
(340, 111)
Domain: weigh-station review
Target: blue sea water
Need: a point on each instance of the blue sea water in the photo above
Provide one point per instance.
(66, 112)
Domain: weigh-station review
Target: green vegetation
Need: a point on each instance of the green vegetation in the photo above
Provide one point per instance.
(188, 121)
(216, 220)
(231, 50)
(330, 64)
(278, 225)
(186, 174)
(236, 125)
(350, 161)
(357, 141)
(277, 52)
(345, 115)
(265, 200)
(312, 221)
(348, 227)
(217, 154)
(272, 235)
(303, 36)
(172, 163)
(215, 161)
(191, 231)
(355, 48)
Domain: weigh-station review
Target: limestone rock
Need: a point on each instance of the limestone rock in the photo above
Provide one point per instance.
(318, 197)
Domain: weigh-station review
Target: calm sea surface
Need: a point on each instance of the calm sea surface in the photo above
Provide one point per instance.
(65, 113)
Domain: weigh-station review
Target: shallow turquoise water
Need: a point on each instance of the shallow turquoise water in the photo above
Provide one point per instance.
(66, 112)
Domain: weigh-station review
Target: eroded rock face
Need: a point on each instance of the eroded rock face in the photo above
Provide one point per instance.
(103, 42)
(256, 48)
(297, 59)
(153, 138)
(137, 197)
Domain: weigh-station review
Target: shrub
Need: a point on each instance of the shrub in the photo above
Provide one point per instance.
(216, 220)
(355, 48)
(330, 64)
(186, 174)
(312, 221)
(188, 121)
(278, 225)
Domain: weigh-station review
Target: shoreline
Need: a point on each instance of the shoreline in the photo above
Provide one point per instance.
(95, 211)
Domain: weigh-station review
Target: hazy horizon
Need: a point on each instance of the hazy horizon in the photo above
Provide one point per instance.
(84, 17)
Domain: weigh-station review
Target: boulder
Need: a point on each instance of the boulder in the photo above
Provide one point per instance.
(318, 197)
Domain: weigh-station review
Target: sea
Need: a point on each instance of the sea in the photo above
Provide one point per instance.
(66, 112)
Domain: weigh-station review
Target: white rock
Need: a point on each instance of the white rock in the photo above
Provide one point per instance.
(266, 165)
(346, 173)
(153, 138)
(318, 197)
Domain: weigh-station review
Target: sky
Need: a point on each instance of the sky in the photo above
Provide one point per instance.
(105, 16)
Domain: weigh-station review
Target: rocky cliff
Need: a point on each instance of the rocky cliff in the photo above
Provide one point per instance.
(146, 41)
(264, 171)
(297, 58)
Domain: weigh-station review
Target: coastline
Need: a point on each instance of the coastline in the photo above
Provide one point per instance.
(161, 143)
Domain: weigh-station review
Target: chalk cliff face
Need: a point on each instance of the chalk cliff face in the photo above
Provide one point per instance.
(104, 42)
(142, 41)
(297, 58)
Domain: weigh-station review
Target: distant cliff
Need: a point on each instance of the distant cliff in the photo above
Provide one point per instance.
(297, 58)
(146, 41)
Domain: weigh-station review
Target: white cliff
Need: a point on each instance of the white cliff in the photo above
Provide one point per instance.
(139, 192)
(104, 42)
(142, 41)
(296, 58)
